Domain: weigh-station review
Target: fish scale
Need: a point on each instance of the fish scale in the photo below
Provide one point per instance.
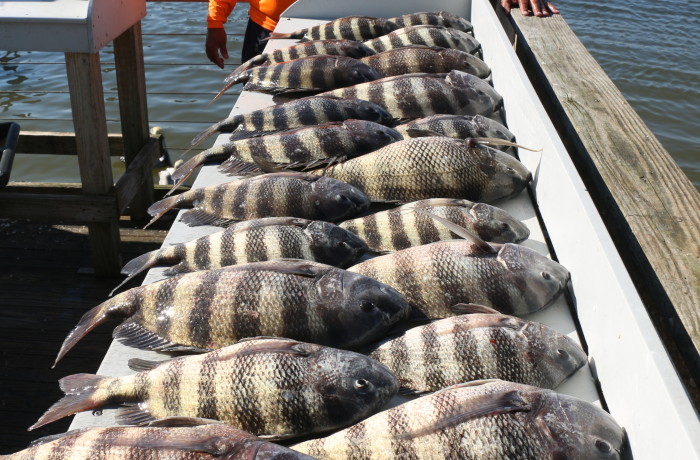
(425, 59)
(434, 277)
(428, 35)
(350, 27)
(423, 168)
(273, 387)
(202, 440)
(487, 419)
(439, 18)
(479, 346)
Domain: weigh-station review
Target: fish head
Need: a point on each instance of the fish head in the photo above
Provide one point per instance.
(336, 200)
(482, 97)
(487, 127)
(370, 135)
(554, 354)
(455, 22)
(539, 280)
(365, 110)
(358, 308)
(507, 176)
(349, 71)
(463, 41)
(578, 429)
(465, 62)
(334, 245)
(353, 386)
(496, 225)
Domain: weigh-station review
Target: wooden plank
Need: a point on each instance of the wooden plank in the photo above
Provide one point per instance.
(649, 206)
(87, 103)
(133, 108)
(138, 174)
(58, 143)
(65, 208)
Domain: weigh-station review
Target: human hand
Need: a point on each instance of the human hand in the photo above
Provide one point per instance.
(215, 46)
(539, 8)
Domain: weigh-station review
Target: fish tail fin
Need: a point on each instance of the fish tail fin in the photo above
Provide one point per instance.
(280, 35)
(216, 127)
(255, 61)
(117, 306)
(80, 395)
(186, 169)
(159, 208)
(144, 262)
(237, 79)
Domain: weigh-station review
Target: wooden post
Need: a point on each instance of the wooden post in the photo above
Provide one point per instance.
(649, 206)
(87, 103)
(131, 85)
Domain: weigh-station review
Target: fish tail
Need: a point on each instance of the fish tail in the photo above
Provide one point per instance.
(117, 306)
(255, 61)
(240, 78)
(229, 123)
(80, 395)
(159, 208)
(186, 169)
(279, 35)
(146, 261)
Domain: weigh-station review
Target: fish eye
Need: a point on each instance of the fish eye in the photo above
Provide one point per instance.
(563, 354)
(361, 384)
(510, 170)
(505, 226)
(603, 446)
(341, 198)
(546, 276)
(366, 305)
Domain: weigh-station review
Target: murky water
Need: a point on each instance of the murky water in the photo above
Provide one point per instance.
(645, 49)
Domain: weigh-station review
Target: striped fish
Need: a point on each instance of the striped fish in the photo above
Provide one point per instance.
(341, 47)
(426, 167)
(282, 194)
(407, 226)
(210, 309)
(308, 147)
(479, 346)
(199, 440)
(305, 75)
(255, 240)
(426, 35)
(510, 278)
(456, 126)
(425, 59)
(439, 18)
(273, 388)
(477, 421)
(311, 110)
(356, 28)
(421, 94)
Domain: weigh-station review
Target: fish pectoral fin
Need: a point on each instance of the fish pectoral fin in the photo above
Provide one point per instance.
(54, 437)
(461, 232)
(297, 267)
(471, 308)
(140, 365)
(415, 132)
(405, 391)
(266, 344)
(195, 217)
(476, 407)
(133, 334)
(184, 421)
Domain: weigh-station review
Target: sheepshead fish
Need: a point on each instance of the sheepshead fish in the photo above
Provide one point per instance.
(425, 59)
(508, 277)
(427, 167)
(311, 110)
(210, 309)
(426, 35)
(438, 18)
(479, 346)
(282, 194)
(272, 388)
(341, 47)
(311, 74)
(407, 226)
(474, 422)
(255, 240)
(356, 28)
(307, 147)
(458, 127)
(418, 95)
(173, 438)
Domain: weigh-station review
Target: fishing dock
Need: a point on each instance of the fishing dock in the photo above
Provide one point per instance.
(645, 203)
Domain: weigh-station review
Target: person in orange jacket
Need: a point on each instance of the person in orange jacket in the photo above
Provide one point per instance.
(263, 17)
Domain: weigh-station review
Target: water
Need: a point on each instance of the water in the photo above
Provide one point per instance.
(646, 50)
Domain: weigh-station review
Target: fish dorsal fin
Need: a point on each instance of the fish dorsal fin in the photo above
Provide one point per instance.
(139, 365)
(434, 202)
(267, 165)
(133, 334)
(266, 344)
(183, 421)
(297, 267)
(54, 437)
(472, 308)
(462, 232)
(269, 222)
(497, 141)
(417, 132)
(476, 407)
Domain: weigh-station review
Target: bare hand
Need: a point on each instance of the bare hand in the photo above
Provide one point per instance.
(539, 8)
(216, 46)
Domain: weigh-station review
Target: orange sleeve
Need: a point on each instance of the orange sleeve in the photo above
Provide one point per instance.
(266, 13)
(219, 11)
